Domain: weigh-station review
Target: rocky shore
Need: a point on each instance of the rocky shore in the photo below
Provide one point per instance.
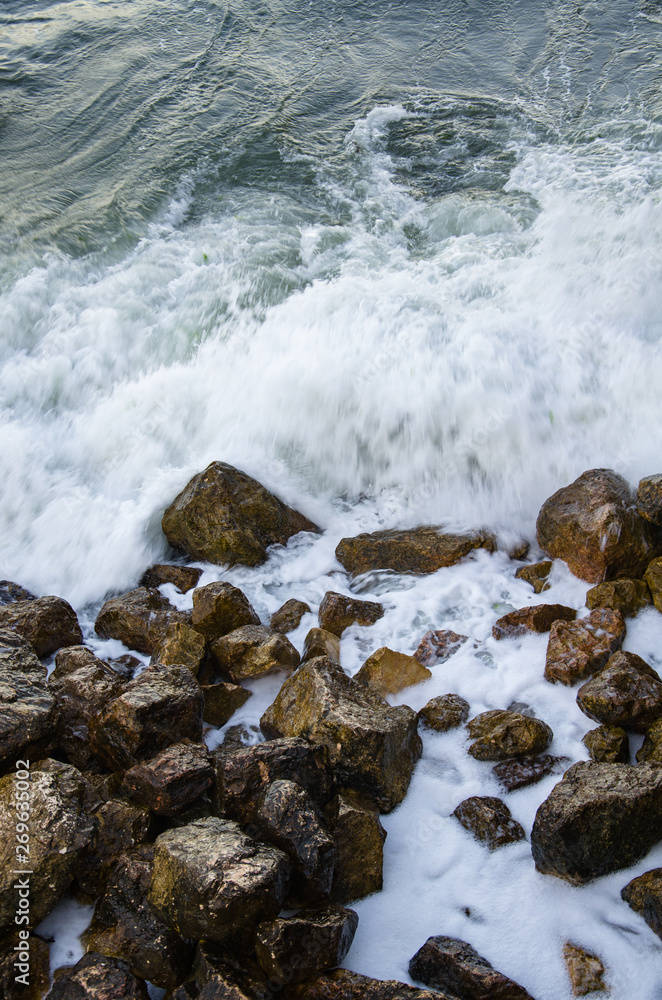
(230, 872)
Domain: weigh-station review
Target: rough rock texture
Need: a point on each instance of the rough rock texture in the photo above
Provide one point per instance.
(627, 596)
(96, 977)
(297, 948)
(499, 735)
(373, 747)
(448, 711)
(184, 578)
(289, 616)
(118, 827)
(593, 525)
(173, 780)
(338, 612)
(586, 971)
(345, 985)
(359, 838)
(125, 665)
(627, 693)
(651, 750)
(28, 711)
(223, 974)
(48, 623)
(220, 608)
(644, 895)
(536, 574)
(224, 516)
(609, 744)
(598, 819)
(181, 644)
(449, 964)
(414, 550)
(649, 499)
(139, 619)
(159, 707)
(387, 672)
(514, 774)
(222, 701)
(253, 651)
(537, 618)
(437, 646)
(577, 649)
(11, 592)
(489, 820)
(38, 953)
(653, 577)
(319, 642)
(211, 880)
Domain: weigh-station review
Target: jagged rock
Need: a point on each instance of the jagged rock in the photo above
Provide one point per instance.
(222, 701)
(124, 925)
(593, 525)
(139, 619)
(184, 578)
(173, 780)
(413, 550)
(598, 819)
(627, 596)
(81, 685)
(345, 985)
(125, 665)
(239, 737)
(11, 592)
(222, 974)
(514, 774)
(388, 672)
(538, 618)
(96, 977)
(296, 948)
(650, 751)
(450, 964)
(536, 574)
(253, 651)
(30, 978)
(181, 644)
(159, 707)
(211, 880)
(627, 692)
(489, 820)
(586, 971)
(337, 612)
(224, 516)
(289, 616)
(519, 550)
(499, 735)
(56, 795)
(435, 647)
(187, 991)
(608, 744)
(220, 608)
(644, 895)
(359, 838)
(28, 711)
(649, 499)
(319, 642)
(373, 747)
(448, 711)
(48, 623)
(653, 577)
(577, 649)
(118, 827)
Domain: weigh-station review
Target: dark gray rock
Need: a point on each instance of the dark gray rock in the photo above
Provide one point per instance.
(96, 977)
(450, 964)
(174, 780)
(28, 710)
(11, 592)
(220, 608)
(608, 744)
(297, 948)
(139, 619)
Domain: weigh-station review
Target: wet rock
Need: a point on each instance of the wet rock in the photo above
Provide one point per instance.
(224, 516)
(536, 574)
(56, 796)
(649, 499)
(160, 706)
(499, 735)
(28, 711)
(435, 647)
(609, 744)
(296, 948)
(319, 642)
(222, 974)
(653, 577)
(450, 964)
(650, 751)
(96, 977)
(586, 971)
(415, 550)
(239, 737)
(448, 711)
(48, 623)
(519, 550)
(627, 596)
(139, 619)
(220, 608)
(627, 692)
(11, 592)
(337, 612)
(373, 747)
(222, 701)
(125, 665)
(211, 880)
(593, 525)
(173, 780)
(359, 838)
(598, 819)
(181, 644)
(489, 820)
(345, 985)
(184, 578)
(538, 618)
(388, 672)
(287, 618)
(514, 774)
(644, 895)
(577, 649)
(33, 957)
(118, 827)
(253, 651)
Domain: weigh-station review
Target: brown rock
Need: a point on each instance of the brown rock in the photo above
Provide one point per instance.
(649, 499)
(337, 612)
(387, 672)
(96, 977)
(627, 692)
(653, 577)
(536, 574)
(499, 735)
(294, 949)
(220, 973)
(586, 971)
(253, 651)
(28, 710)
(577, 649)
(415, 550)
(538, 618)
(48, 623)
(287, 618)
(11, 592)
(319, 642)
(489, 820)
(173, 780)
(359, 838)
(118, 827)
(435, 647)
(181, 644)
(220, 608)
(519, 550)
(651, 750)
(449, 964)
(33, 957)
(125, 665)
(139, 619)
(222, 701)
(514, 774)
(448, 711)
(608, 744)
(644, 895)
(184, 578)
(345, 985)
(626, 596)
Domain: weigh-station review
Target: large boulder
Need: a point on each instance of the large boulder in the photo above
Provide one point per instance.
(338, 612)
(489, 820)
(253, 651)
(388, 672)
(598, 818)
(594, 526)
(447, 963)
(48, 623)
(413, 550)
(500, 735)
(172, 781)
(11, 592)
(28, 710)
(223, 516)
(577, 649)
(536, 618)
(626, 692)
(372, 746)
(96, 977)
(359, 838)
(644, 895)
(139, 619)
(297, 948)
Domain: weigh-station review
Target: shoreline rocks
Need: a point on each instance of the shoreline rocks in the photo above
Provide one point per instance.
(415, 550)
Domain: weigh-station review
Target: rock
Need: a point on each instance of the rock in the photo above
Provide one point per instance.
(514, 774)
(435, 647)
(536, 574)
(649, 499)
(608, 744)
(253, 651)
(139, 619)
(96, 977)
(124, 926)
(221, 974)
(586, 971)
(450, 964)
(627, 692)
(593, 525)
(319, 642)
(181, 644)
(489, 820)
(388, 672)
(125, 665)
(373, 747)
(653, 577)
(359, 838)
(287, 618)
(184, 578)
(160, 706)
(32, 956)
(240, 736)
(644, 895)
(56, 796)
(598, 818)
(577, 649)
(538, 618)
(173, 780)
(448, 711)
(223, 516)
(414, 550)
(118, 827)
(222, 701)
(211, 880)
(297, 948)
(519, 550)
(345, 985)
(12, 592)
(220, 608)
(337, 612)
(499, 735)
(627, 596)
(28, 711)
(651, 750)
(48, 623)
